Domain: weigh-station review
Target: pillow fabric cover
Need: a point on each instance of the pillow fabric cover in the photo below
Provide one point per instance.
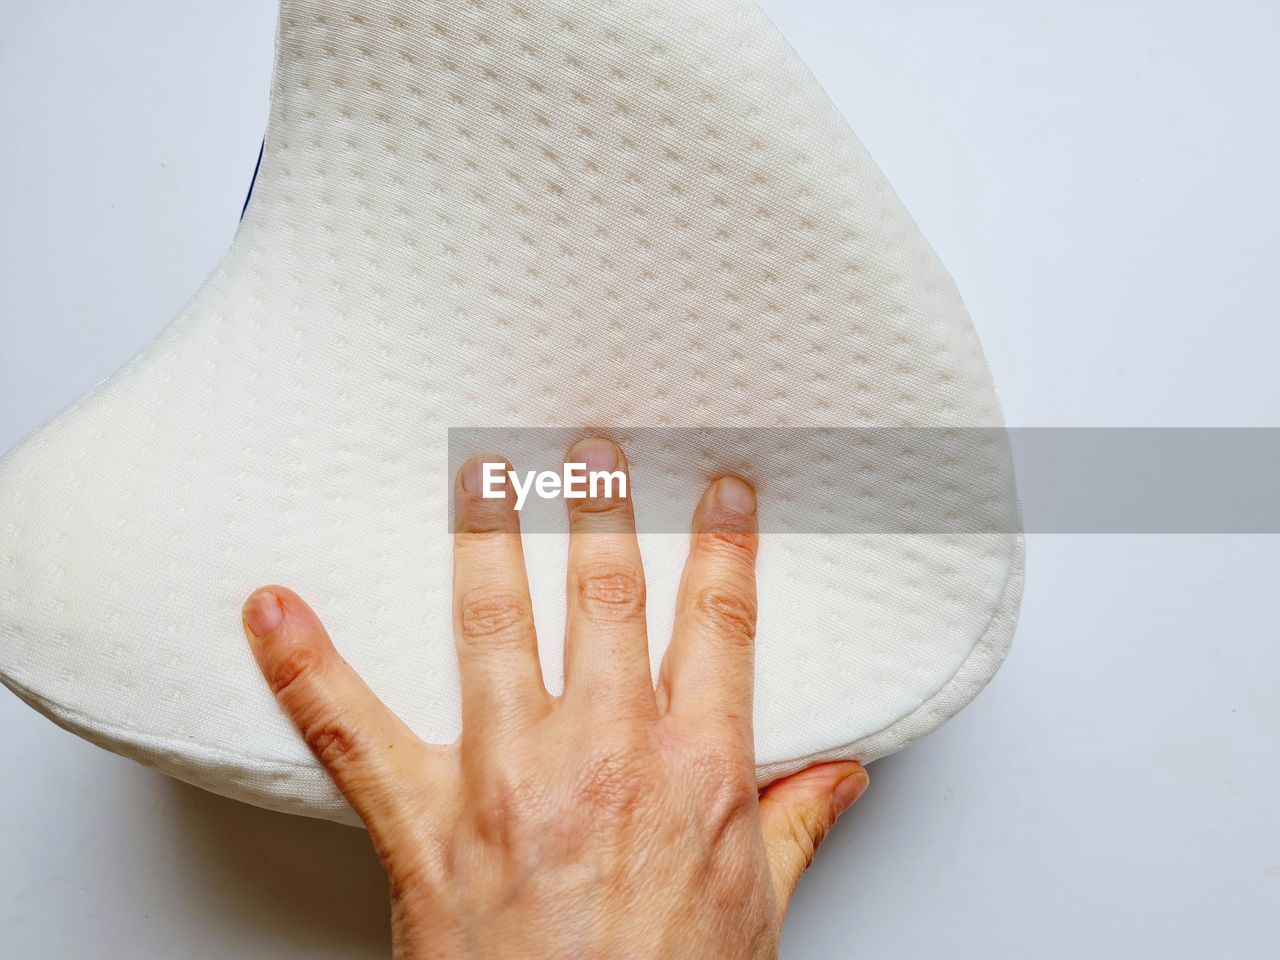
(608, 215)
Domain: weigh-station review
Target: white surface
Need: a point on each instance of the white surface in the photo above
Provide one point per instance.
(411, 261)
(1093, 175)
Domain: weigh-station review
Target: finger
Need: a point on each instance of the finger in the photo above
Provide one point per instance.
(606, 652)
(498, 667)
(797, 812)
(377, 762)
(708, 671)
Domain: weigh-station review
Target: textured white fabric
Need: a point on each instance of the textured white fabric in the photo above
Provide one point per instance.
(612, 213)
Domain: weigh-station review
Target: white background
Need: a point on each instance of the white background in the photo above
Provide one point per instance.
(1101, 177)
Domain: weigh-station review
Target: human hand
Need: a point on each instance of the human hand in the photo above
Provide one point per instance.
(616, 821)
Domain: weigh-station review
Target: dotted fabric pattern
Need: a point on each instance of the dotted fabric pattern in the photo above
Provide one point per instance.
(603, 213)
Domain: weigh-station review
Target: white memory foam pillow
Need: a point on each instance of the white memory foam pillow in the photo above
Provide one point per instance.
(607, 215)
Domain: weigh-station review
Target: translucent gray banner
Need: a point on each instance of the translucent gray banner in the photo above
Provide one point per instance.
(923, 480)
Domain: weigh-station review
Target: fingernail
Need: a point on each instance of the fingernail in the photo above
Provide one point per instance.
(849, 789)
(262, 613)
(470, 475)
(596, 453)
(736, 495)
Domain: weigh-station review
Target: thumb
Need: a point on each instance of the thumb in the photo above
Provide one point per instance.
(796, 813)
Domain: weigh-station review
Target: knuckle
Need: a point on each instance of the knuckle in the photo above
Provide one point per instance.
(807, 831)
(724, 785)
(611, 591)
(483, 521)
(290, 666)
(513, 797)
(601, 515)
(609, 499)
(610, 782)
(332, 739)
(730, 612)
(489, 614)
(739, 546)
